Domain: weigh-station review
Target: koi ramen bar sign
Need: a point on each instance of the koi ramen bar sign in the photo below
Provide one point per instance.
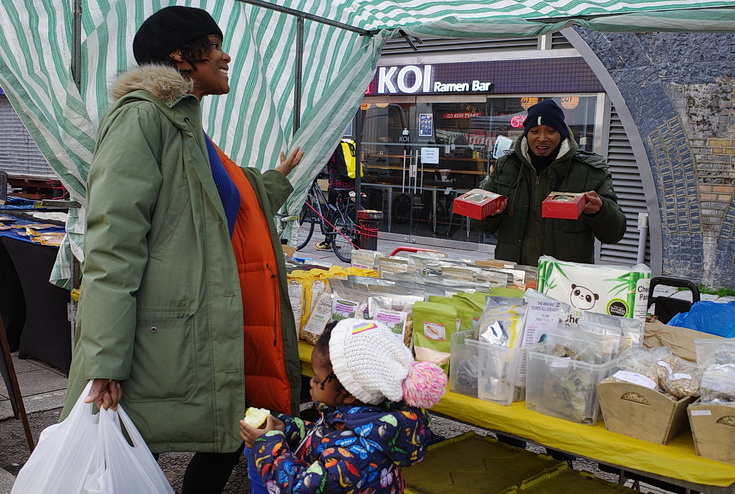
(563, 74)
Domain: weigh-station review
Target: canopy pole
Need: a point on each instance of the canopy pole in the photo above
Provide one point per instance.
(300, 17)
(76, 44)
(358, 160)
(299, 71)
(311, 17)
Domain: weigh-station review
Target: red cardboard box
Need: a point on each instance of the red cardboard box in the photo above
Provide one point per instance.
(478, 203)
(564, 205)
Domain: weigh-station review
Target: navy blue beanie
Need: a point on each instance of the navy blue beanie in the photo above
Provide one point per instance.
(166, 30)
(546, 113)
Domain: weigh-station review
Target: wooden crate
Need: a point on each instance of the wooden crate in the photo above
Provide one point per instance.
(37, 188)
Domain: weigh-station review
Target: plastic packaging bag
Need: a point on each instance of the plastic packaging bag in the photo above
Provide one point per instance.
(88, 453)
(716, 360)
(678, 378)
(708, 317)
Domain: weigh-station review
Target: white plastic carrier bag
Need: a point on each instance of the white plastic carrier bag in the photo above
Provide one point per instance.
(88, 453)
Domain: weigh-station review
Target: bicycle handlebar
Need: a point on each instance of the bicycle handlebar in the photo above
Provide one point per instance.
(409, 249)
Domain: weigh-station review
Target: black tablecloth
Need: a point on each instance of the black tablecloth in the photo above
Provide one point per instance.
(12, 302)
(29, 301)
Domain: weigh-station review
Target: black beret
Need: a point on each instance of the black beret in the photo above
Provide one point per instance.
(169, 28)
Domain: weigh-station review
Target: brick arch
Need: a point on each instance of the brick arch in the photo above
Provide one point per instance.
(655, 73)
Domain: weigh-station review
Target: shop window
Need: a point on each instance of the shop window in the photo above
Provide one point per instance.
(469, 136)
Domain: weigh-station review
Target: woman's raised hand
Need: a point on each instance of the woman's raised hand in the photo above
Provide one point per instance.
(287, 164)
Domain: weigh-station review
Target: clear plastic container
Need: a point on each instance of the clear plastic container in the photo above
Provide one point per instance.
(498, 372)
(563, 387)
(484, 370)
(463, 365)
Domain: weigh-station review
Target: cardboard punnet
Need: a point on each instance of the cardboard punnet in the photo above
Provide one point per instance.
(478, 203)
(643, 413)
(564, 205)
(713, 431)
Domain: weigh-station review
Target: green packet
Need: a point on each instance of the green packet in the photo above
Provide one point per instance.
(465, 314)
(433, 325)
(506, 292)
(475, 299)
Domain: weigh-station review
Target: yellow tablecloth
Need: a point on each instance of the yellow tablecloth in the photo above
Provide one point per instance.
(676, 460)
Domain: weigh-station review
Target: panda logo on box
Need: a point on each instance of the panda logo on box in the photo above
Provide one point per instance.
(583, 298)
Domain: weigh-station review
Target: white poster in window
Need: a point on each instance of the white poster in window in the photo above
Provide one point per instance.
(430, 156)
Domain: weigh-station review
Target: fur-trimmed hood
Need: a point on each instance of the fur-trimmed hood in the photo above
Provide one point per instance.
(165, 83)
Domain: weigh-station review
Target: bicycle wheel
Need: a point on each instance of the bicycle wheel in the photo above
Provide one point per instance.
(305, 227)
(344, 244)
(402, 208)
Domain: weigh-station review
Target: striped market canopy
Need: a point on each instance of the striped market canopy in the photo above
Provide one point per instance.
(57, 58)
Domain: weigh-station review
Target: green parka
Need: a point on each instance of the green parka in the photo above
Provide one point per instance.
(161, 307)
(523, 234)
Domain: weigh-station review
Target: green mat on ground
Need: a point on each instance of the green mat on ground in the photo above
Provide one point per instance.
(570, 481)
(471, 463)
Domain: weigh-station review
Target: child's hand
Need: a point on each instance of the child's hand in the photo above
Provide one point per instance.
(249, 434)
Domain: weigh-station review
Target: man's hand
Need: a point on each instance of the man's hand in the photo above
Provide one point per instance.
(105, 393)
(288, 164)
(501, 208)
(593, 203)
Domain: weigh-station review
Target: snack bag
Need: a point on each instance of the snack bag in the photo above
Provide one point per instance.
(434, 324)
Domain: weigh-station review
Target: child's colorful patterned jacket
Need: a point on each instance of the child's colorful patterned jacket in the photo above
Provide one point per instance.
(351, 449)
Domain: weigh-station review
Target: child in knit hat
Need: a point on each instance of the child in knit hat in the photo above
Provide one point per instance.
(371, 396)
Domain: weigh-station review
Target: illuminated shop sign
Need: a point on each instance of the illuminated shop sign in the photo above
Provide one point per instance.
(529, 76)
(517, 121)
(452, 116)
(425, 79)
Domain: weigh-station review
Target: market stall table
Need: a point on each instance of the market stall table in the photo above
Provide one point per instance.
(676, 462)
(28, 296)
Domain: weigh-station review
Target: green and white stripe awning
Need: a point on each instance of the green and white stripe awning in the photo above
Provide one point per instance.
(255, 121)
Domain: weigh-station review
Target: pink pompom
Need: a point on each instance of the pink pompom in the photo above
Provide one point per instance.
(425, 385)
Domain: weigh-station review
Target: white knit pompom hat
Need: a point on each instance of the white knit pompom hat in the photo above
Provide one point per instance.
(372, 365)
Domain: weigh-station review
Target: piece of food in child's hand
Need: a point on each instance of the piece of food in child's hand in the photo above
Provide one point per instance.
(256, 417)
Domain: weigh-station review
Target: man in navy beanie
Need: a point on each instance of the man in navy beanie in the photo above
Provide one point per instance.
(546, 158)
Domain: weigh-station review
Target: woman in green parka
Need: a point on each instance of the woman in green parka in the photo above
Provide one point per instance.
(545, 159)
(174, 230)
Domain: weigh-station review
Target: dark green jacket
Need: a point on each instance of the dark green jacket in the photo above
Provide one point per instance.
(523, 235)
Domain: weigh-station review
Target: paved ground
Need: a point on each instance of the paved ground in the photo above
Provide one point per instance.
(43, 388)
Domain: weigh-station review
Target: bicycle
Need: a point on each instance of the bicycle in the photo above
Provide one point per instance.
(335, 221)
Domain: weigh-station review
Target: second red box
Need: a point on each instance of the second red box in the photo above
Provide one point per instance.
(563, 205)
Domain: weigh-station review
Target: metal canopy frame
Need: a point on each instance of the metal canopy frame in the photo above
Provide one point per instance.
(552, 20)
(311, 17)
(301, 17)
